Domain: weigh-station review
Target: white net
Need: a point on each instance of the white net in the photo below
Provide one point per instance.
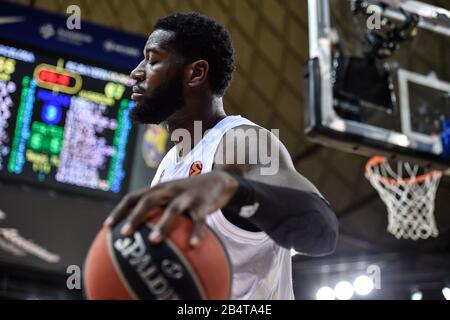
(409, 193)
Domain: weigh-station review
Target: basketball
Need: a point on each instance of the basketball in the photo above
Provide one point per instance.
(130, 268)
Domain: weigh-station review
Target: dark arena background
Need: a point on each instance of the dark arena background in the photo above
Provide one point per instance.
(67, 159)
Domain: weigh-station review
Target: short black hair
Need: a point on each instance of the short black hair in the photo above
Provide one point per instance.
(200, 37)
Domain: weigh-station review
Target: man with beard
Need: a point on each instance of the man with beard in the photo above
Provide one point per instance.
(187, 67)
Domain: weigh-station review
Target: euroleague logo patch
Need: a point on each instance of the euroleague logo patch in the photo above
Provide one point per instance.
(196, 168)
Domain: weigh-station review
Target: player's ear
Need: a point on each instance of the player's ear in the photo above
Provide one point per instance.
(198, 72)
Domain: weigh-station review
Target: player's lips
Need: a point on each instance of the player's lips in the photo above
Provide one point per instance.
(137, 93)
(136, 96)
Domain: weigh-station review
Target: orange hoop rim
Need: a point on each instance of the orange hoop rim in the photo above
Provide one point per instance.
(376, 160)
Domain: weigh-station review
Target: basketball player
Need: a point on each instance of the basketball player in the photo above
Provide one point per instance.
(187, 66)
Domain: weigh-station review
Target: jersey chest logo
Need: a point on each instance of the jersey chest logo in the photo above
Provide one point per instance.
(196, 168)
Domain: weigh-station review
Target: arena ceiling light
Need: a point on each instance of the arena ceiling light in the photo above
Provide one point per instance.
(325, 293)
(446, 293)
(344, 290)
(363, 285)
(417, 295)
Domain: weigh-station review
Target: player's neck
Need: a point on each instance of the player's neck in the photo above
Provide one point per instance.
(207, 113)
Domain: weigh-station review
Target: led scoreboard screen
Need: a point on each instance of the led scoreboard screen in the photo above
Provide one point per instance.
(63, 123)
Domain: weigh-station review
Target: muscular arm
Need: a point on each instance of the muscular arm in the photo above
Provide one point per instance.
(289, 208)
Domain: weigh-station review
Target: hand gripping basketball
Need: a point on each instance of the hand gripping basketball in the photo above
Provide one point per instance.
(196, 196)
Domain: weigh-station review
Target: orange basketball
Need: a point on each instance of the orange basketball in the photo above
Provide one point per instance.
(122, 268)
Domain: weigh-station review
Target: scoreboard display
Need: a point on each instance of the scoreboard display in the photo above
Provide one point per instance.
(65, 103)
(68, 149)
(63, 123)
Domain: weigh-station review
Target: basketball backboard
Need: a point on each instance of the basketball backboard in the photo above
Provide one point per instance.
(378, 79)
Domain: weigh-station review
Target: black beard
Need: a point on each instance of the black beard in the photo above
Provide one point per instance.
(161, 103)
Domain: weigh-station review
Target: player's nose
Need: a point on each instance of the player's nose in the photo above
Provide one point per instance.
(138, 74)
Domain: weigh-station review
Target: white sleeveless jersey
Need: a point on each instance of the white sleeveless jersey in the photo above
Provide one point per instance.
(261, 269)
